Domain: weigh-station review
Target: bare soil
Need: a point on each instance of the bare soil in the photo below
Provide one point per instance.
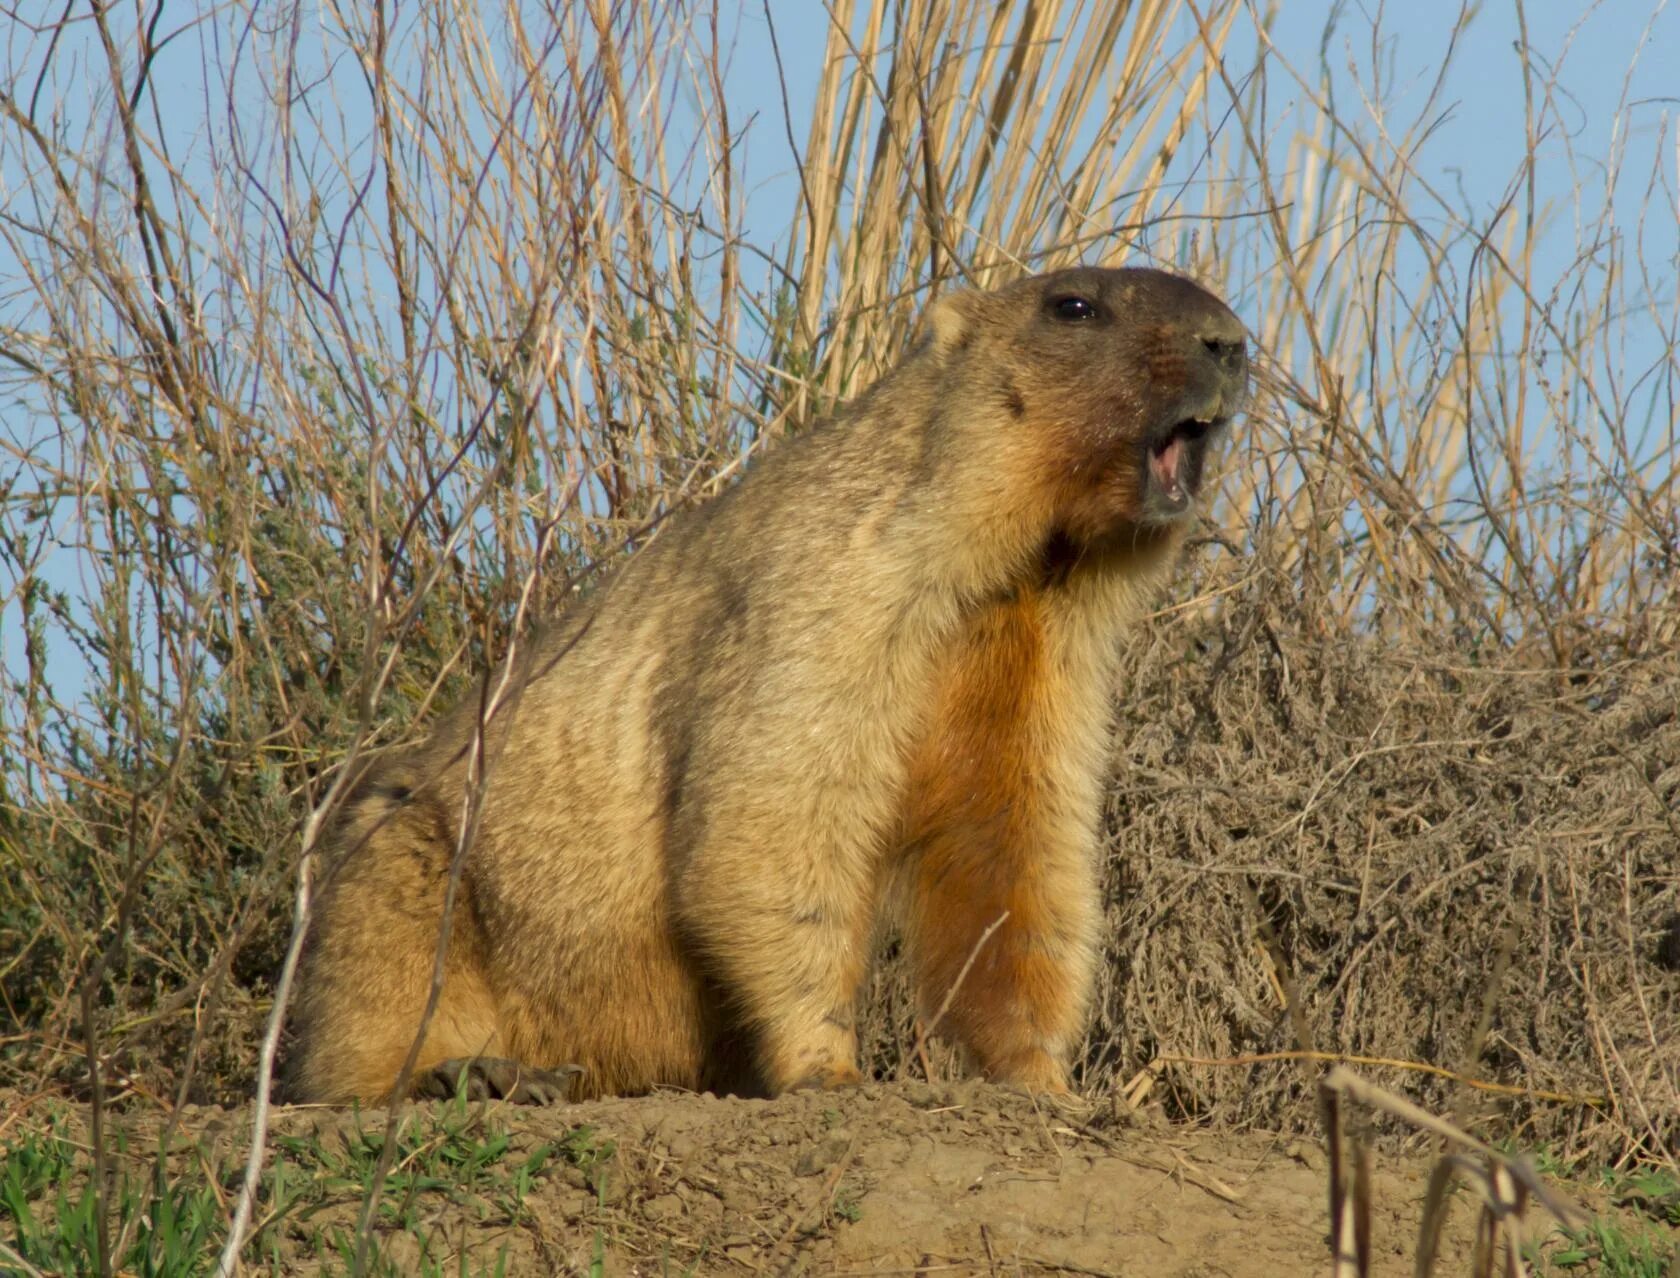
(906, 1178)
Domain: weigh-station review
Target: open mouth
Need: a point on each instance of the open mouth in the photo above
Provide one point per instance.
(1175, 461)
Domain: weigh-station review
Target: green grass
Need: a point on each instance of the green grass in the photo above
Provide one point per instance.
(1606, 1248)
(454, 1158)
(1652, 1191)
(157, 1226)
(848, 1207)
(174, 1224)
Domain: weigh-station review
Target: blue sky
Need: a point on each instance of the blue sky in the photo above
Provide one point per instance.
(1618, 62)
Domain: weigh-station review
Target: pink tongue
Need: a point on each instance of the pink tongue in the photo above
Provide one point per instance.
(1165, 463)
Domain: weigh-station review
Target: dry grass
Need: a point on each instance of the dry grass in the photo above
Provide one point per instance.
(442, 309)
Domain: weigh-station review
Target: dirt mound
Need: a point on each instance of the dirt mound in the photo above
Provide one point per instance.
(907, 1178)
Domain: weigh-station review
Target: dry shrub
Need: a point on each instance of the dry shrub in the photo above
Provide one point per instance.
(442, 308)
(1392, 810)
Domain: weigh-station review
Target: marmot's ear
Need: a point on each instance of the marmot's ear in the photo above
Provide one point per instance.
(953, 320)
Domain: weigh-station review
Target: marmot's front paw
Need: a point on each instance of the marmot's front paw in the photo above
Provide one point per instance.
(497, 1078)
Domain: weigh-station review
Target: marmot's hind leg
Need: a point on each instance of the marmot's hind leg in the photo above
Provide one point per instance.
(369, 958)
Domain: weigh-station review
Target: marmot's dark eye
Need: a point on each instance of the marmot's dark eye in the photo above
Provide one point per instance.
(1073, 309)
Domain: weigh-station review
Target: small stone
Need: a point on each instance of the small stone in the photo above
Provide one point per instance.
(957, 1094)
(663, 1207)
(1306, 1153)
(823, 1155)
(575, 1202)
(680, 1148)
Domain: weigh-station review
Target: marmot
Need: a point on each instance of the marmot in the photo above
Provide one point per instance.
(871, 680)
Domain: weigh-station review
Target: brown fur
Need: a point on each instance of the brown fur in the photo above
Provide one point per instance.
(873, 678)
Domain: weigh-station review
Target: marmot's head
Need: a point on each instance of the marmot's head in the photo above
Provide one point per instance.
(1119, 379)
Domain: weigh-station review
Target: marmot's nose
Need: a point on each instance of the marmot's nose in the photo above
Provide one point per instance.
(1231, 354)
